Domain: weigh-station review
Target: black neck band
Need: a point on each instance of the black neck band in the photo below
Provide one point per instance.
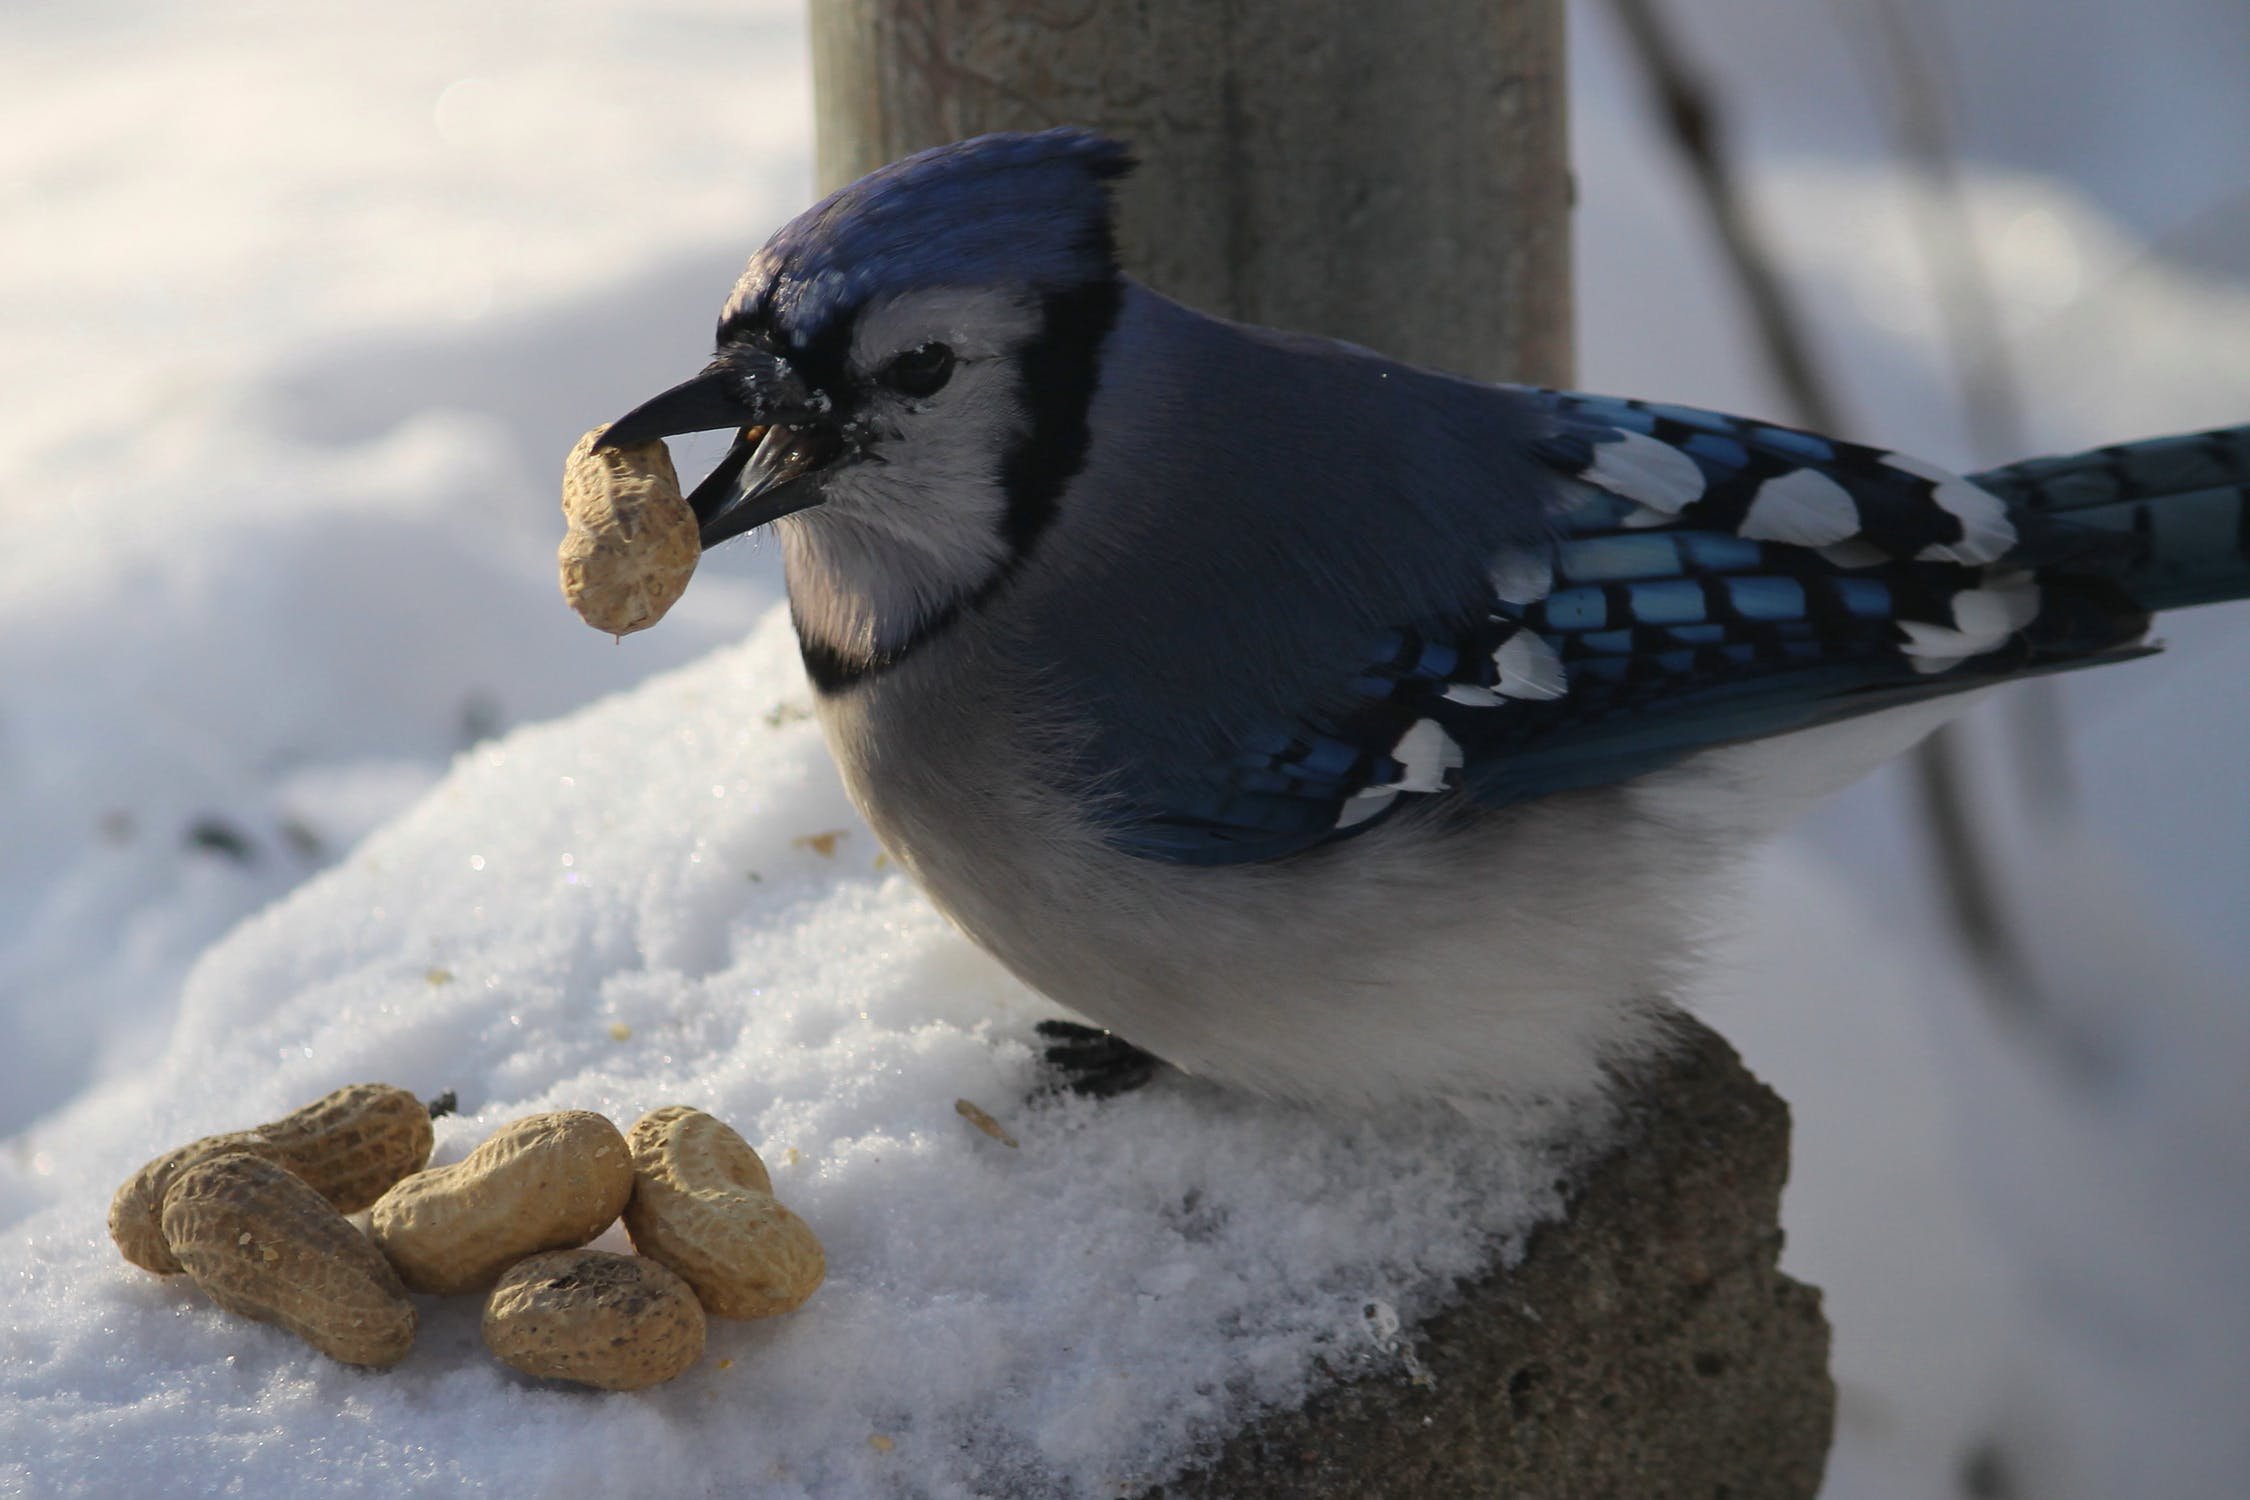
(1059, 369)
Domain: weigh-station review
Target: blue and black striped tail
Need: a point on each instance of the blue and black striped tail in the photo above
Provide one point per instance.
(2166, 520)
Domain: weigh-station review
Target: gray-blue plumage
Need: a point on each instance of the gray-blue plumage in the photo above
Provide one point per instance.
(1030, 210)
(1326, 724)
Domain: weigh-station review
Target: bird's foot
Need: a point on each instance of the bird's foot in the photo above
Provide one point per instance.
(1096, 1063)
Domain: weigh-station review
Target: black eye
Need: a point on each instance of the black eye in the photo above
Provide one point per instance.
(920, 372)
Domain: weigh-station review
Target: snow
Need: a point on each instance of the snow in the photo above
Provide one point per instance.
(632, 906)
(306, 776)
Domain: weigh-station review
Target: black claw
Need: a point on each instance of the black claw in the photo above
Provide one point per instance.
(1096, 1063)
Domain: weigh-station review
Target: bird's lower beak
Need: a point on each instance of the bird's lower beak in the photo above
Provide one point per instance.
(785, 437)
(770, 472)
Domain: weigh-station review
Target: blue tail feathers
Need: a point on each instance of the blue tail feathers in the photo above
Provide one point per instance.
(2180, 504)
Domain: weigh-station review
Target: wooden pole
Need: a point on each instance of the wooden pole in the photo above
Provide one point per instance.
(1395, 175)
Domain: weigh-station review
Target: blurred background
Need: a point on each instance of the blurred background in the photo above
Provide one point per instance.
(305, 304)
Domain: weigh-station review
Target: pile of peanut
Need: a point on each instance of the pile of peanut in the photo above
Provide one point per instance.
(257, 1219)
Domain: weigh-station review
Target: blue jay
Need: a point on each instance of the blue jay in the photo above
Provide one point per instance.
(1320, 724)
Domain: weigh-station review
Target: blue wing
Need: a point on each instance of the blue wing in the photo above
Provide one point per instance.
(1708, 580)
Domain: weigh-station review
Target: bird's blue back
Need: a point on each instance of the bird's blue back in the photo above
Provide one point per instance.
(1316, 588)
(1647, 634)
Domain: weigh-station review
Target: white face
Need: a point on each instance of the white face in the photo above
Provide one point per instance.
(915, 524)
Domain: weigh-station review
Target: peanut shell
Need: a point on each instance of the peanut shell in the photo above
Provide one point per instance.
(632, 542)
(619, 1322)
(703, 1205)
(262, 1244)
(348, 1146)
(544, 1182)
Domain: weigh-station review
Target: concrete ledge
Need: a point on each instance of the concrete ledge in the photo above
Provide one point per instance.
(1647, 1348)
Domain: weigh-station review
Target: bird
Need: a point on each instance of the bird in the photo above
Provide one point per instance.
(1330, 728)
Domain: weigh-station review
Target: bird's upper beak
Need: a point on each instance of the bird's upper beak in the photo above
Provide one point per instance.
(786, 435)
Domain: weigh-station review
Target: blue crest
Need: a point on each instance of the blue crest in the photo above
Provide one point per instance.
(1027, 209)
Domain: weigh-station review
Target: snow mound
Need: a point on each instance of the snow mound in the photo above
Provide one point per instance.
(667, 898)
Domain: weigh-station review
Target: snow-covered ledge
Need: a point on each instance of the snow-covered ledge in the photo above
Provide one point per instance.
(665, 898)
(1647, 1345)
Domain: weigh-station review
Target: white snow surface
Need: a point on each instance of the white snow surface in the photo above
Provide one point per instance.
(666, 898)
(304, 308)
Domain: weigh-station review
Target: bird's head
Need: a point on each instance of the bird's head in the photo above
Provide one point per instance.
(910, 360)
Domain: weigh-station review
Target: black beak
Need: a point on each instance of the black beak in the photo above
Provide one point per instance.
(787, 434)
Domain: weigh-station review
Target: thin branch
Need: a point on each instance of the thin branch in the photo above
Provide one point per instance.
(2154, 254)
(1691, 115)
(1689, 109)
(1991, 401)
(1992, 410)
(1983, 370)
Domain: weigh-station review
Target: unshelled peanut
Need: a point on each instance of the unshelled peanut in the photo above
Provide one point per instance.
(262, 1243)
(544, 1182)
(703, 1205)
(349, 1146)
(619, 1322)
(632, 542)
